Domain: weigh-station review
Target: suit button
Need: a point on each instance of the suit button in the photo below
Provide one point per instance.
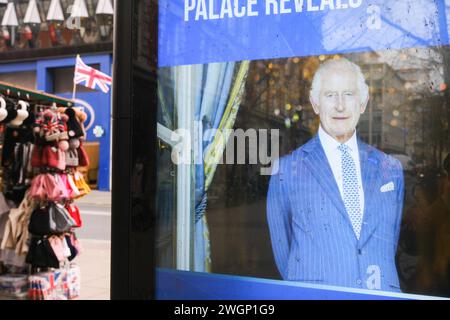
(359, 251)
(358, 282)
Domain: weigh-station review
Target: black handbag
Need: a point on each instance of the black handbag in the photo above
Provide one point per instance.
(73, 250)
(41, 255)
(40, 222)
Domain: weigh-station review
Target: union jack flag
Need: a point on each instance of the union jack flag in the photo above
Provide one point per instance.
(91, 77)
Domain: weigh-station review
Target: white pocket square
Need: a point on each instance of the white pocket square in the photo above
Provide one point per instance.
(387, 187)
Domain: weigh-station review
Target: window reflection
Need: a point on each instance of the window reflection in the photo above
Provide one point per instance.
(407, 117)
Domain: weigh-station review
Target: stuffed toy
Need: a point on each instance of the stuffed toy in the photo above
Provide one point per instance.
(12, 112)
(3, 111)
(22, 113)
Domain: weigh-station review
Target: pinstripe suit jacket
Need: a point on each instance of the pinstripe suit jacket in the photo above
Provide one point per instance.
(311, 233)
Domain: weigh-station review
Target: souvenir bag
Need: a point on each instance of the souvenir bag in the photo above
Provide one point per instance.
(75, 214)
(60, 219)
(64, 192)
(36, 157)
(61, 158)
(55, 157)
(40, 222)
(57, 246)
(65, 181)
(41, 255)
(75, 192)
(52, 191)
(13, 228)
(38, 188)
(55, 190)
(66, 249)
(83, 158)
(82, 186)
(76, 243)
(72, 248)
(73, 281)
(72, 158)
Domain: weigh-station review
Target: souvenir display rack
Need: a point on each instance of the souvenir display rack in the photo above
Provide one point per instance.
(41, 151)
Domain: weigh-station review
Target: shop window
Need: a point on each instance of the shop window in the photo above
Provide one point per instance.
(26, 79)
(228, 112)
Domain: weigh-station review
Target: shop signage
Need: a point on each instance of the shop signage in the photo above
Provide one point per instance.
(204, 31)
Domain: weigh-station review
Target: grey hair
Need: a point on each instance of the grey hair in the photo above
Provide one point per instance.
(363, 88)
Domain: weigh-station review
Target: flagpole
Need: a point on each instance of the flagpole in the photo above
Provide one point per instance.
(74, 90)
(74, 84)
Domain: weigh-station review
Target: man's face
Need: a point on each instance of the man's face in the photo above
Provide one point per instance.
(339, 106)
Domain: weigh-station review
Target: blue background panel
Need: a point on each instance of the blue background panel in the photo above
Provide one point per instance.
(184, 285)
(366, 25)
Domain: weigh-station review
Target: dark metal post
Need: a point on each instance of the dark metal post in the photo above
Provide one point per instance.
(134, 149)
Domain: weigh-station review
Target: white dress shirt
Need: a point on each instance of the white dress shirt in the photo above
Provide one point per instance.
(330, 146)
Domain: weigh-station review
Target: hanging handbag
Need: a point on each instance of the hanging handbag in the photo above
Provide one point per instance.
(53, 188)
(73, 249)
(57, 246)
(55, 157)
(61, 185)
(74, 193)
(72, 158)
(76, 243)
(75, 214)
(60, 219)
(81, 184)
(83, 158)
(66, 184)
(41, 255)
(37, 189)
(40, 222)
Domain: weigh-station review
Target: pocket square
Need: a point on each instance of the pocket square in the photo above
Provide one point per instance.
(387, 187)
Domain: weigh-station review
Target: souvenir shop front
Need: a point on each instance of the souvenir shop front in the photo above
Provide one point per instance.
(42, 138)
(54, 75)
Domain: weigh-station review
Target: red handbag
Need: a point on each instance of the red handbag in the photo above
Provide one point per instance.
(75, 214)
(36, 157)
(83, 158)
(55, 157)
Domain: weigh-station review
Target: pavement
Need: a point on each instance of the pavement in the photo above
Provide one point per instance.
(95, 238)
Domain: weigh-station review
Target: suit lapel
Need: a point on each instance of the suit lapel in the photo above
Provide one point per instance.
(318, 165)
(370, 173)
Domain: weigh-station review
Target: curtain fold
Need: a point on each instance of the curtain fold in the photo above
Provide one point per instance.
(212, 94)
(218, 110)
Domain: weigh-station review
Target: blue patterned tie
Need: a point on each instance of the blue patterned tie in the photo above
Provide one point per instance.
(350, 186)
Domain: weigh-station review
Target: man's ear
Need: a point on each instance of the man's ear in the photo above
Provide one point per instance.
(364, 105)
(314, 105)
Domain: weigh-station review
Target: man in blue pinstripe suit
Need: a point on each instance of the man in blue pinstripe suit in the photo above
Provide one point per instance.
(334, 205)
